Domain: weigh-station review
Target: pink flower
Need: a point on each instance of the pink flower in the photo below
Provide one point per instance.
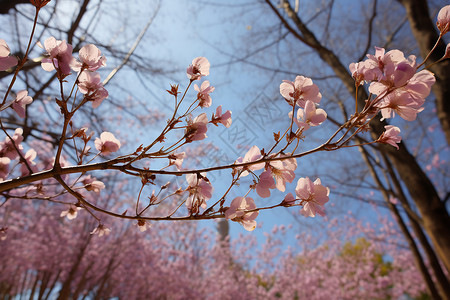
(238, 212)
(283, 170)
(91, 59)
(264, 184)
(300, 91)
(203, 94)
(393, 200)
(198, 68)
(443, 20)
(289, 199)
(200, 190)
(29, 157)
(400, 103)
(419, 86)
(143, 225)
(4, 167)
(71, 213)
(3, 233)
(361, 72)
(447, 51)
(395, 76)
(107, 143)
(101, 230)
(313, 196)
(90, 184)
(6, 61)
(376, 63)
(196, 129)
(253, 154)
(177, 159)
(224, 119)
(390, 136)
(22, 99)
(310, 116)
(90, 85)
(59, 56)
(7, 147)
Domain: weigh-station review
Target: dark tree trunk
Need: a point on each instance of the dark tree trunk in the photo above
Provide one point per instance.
(426, 35)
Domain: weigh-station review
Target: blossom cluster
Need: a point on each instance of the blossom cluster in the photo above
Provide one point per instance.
(398, 86)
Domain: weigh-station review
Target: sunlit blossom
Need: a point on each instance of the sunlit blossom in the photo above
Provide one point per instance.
(239, 212)
(204, 91)
(22, 99)
(70, 213)
(6, 61)
(391, 136)
(299, 91)
(101, 230)
(107, 143)
(313, 196)
(198, 68)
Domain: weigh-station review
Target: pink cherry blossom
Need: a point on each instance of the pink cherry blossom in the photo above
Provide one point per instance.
(101, 230)
(435, 163)
(177, 159)
(224, 119)
(91, 184)
(59, 56)
(395, 76)
(7, 147)
(22, 99)
(443, 20)
(283, 170)
(198, 68)
(313, 196)
(264, 184)
(419, 86)
(447, 51)
(300, 91)
(143, 225)
(393, 200)
(310, 116)
(390, 136)
(91, 59)
(90, 85)
(361, 72)
(380, 59)
(4, 167)
(71, 213)
(400, 103)
(29, 157)
(289, 199)
(196, 129)
(107, 143)
(253, 154)
(200, 190)
(238, 212)
(6, 61)
(203, 94)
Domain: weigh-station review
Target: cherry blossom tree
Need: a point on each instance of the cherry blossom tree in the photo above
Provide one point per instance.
(57, 258)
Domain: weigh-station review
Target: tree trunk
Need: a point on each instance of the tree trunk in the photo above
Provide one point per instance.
(426, 35)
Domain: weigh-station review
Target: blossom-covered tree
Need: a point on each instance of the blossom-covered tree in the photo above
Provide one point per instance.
(57, 258)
